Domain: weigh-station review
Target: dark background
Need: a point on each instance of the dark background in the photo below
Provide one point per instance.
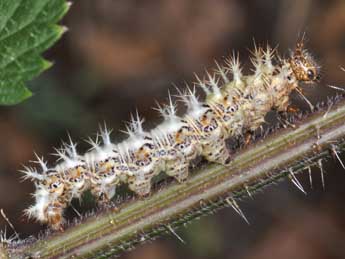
(121, 55)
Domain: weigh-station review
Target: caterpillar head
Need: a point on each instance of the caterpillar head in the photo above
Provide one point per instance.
(303, 65)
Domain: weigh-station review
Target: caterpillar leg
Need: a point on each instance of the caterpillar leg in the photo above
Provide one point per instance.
(141, 187)
(140, 181)
(292, 109)
(248, 137)
(282, 104)
(217, 152)
(178, 169)
(103, 194)
(176, 165)
(54, 215)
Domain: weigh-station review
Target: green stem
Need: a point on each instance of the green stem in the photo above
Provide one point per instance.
(211, 188)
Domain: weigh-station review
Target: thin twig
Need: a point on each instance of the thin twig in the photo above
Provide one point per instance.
(211, 188)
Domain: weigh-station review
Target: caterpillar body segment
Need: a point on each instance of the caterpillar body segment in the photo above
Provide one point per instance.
(176, 143)
(138, 155)
(49, 196)
(73, 170)
(101, 163)
(234, 104)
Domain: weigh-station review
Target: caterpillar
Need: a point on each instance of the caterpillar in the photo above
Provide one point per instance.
(235, 104)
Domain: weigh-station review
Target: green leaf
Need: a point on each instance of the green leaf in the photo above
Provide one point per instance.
(27, 28)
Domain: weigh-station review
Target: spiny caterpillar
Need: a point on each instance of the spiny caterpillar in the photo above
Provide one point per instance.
(232, 107)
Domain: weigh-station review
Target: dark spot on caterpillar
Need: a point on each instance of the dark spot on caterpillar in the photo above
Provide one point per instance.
(228, 160)
(150, 146)
(310, 74)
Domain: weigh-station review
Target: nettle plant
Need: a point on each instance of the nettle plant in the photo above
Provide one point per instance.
(234, 107)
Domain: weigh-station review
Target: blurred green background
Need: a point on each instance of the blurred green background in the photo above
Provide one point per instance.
(122, 55)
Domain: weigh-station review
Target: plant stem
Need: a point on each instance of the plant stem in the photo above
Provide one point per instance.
(283, 153)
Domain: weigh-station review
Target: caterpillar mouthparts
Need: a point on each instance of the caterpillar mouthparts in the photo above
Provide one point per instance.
(232, 107)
